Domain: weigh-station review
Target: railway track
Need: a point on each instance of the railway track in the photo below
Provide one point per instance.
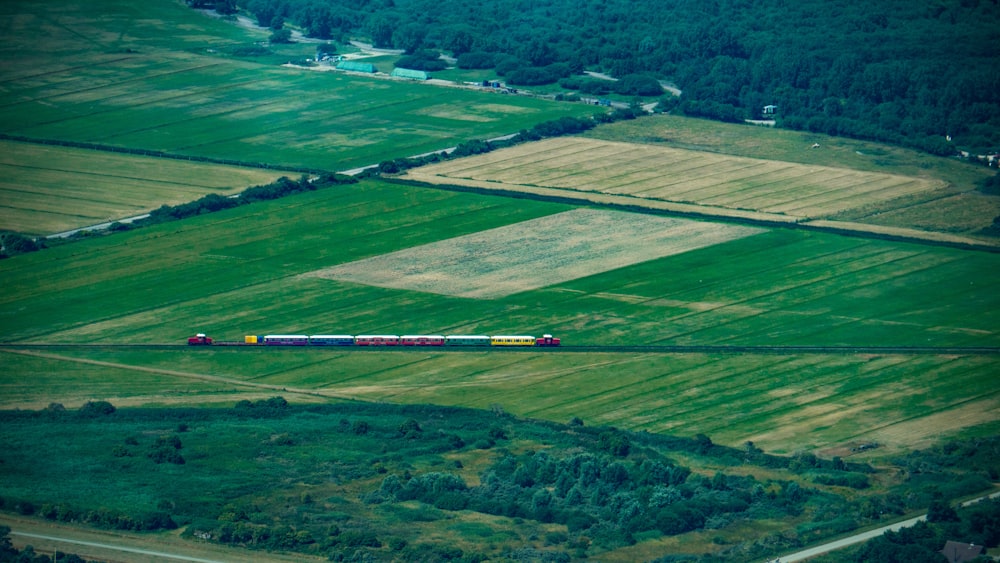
(653, 349)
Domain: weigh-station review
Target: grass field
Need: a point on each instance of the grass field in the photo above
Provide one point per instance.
(51, 189)
(127, 87)
(783, 403)
(240, 272)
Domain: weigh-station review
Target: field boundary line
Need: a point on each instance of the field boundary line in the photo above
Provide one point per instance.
(644, 205)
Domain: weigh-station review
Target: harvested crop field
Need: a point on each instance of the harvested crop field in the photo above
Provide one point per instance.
(536, 253)
(676, 175)
(47, 189)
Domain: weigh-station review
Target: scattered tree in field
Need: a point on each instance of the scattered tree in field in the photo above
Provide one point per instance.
(281, 36)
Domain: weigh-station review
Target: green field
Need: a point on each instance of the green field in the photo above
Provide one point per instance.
(240, 272)
(129, 87)
(783, 403)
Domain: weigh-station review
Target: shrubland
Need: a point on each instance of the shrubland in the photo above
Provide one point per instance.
(368, 480)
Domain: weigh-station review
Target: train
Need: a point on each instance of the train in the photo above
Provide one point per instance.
(521, 340)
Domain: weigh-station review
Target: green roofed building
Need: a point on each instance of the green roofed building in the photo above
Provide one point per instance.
(355, 66)
(409, 73)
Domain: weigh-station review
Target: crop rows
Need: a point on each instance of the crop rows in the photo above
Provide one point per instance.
(189, 104)
(683, 176)
(51, 189)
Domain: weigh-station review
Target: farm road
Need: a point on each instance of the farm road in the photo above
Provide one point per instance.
(202, 377)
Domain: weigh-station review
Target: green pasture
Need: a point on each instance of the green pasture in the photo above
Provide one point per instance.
(49, 189)
(240, 272)
(107, 79)
(276, 115)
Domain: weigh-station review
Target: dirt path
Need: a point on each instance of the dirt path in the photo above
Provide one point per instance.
(312, 393)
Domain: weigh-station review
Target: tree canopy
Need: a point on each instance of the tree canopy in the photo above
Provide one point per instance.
(912, 73)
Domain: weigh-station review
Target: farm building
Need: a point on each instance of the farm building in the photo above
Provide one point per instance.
(410, 73)
(354, 66)
(959, 552)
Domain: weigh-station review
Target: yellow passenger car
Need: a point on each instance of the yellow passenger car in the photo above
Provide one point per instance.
(512, 341)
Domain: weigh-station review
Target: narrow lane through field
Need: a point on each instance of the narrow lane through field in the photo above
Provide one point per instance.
(861, 537)
(327, 394)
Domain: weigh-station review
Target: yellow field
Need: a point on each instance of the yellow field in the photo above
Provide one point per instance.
(50, 189)
(792, 191)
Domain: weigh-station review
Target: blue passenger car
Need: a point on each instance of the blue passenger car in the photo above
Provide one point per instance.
(331, 340)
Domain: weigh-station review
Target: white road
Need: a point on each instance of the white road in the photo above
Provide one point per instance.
(862, 537)
(137, 551)
(97, 227)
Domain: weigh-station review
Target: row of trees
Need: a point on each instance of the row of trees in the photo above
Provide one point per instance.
(905, 72)
(214, 202)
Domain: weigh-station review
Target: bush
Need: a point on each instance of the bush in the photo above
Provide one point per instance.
(14, 243)
(427, 60)
(281, 36)
(94, 409)
(587, 85)
(476, 60)
(991, 185)
(852, 480)
(638, 85)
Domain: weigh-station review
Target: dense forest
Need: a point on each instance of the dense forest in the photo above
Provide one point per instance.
(910, 73)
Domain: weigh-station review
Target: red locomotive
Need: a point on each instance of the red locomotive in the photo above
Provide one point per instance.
(200, 340)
